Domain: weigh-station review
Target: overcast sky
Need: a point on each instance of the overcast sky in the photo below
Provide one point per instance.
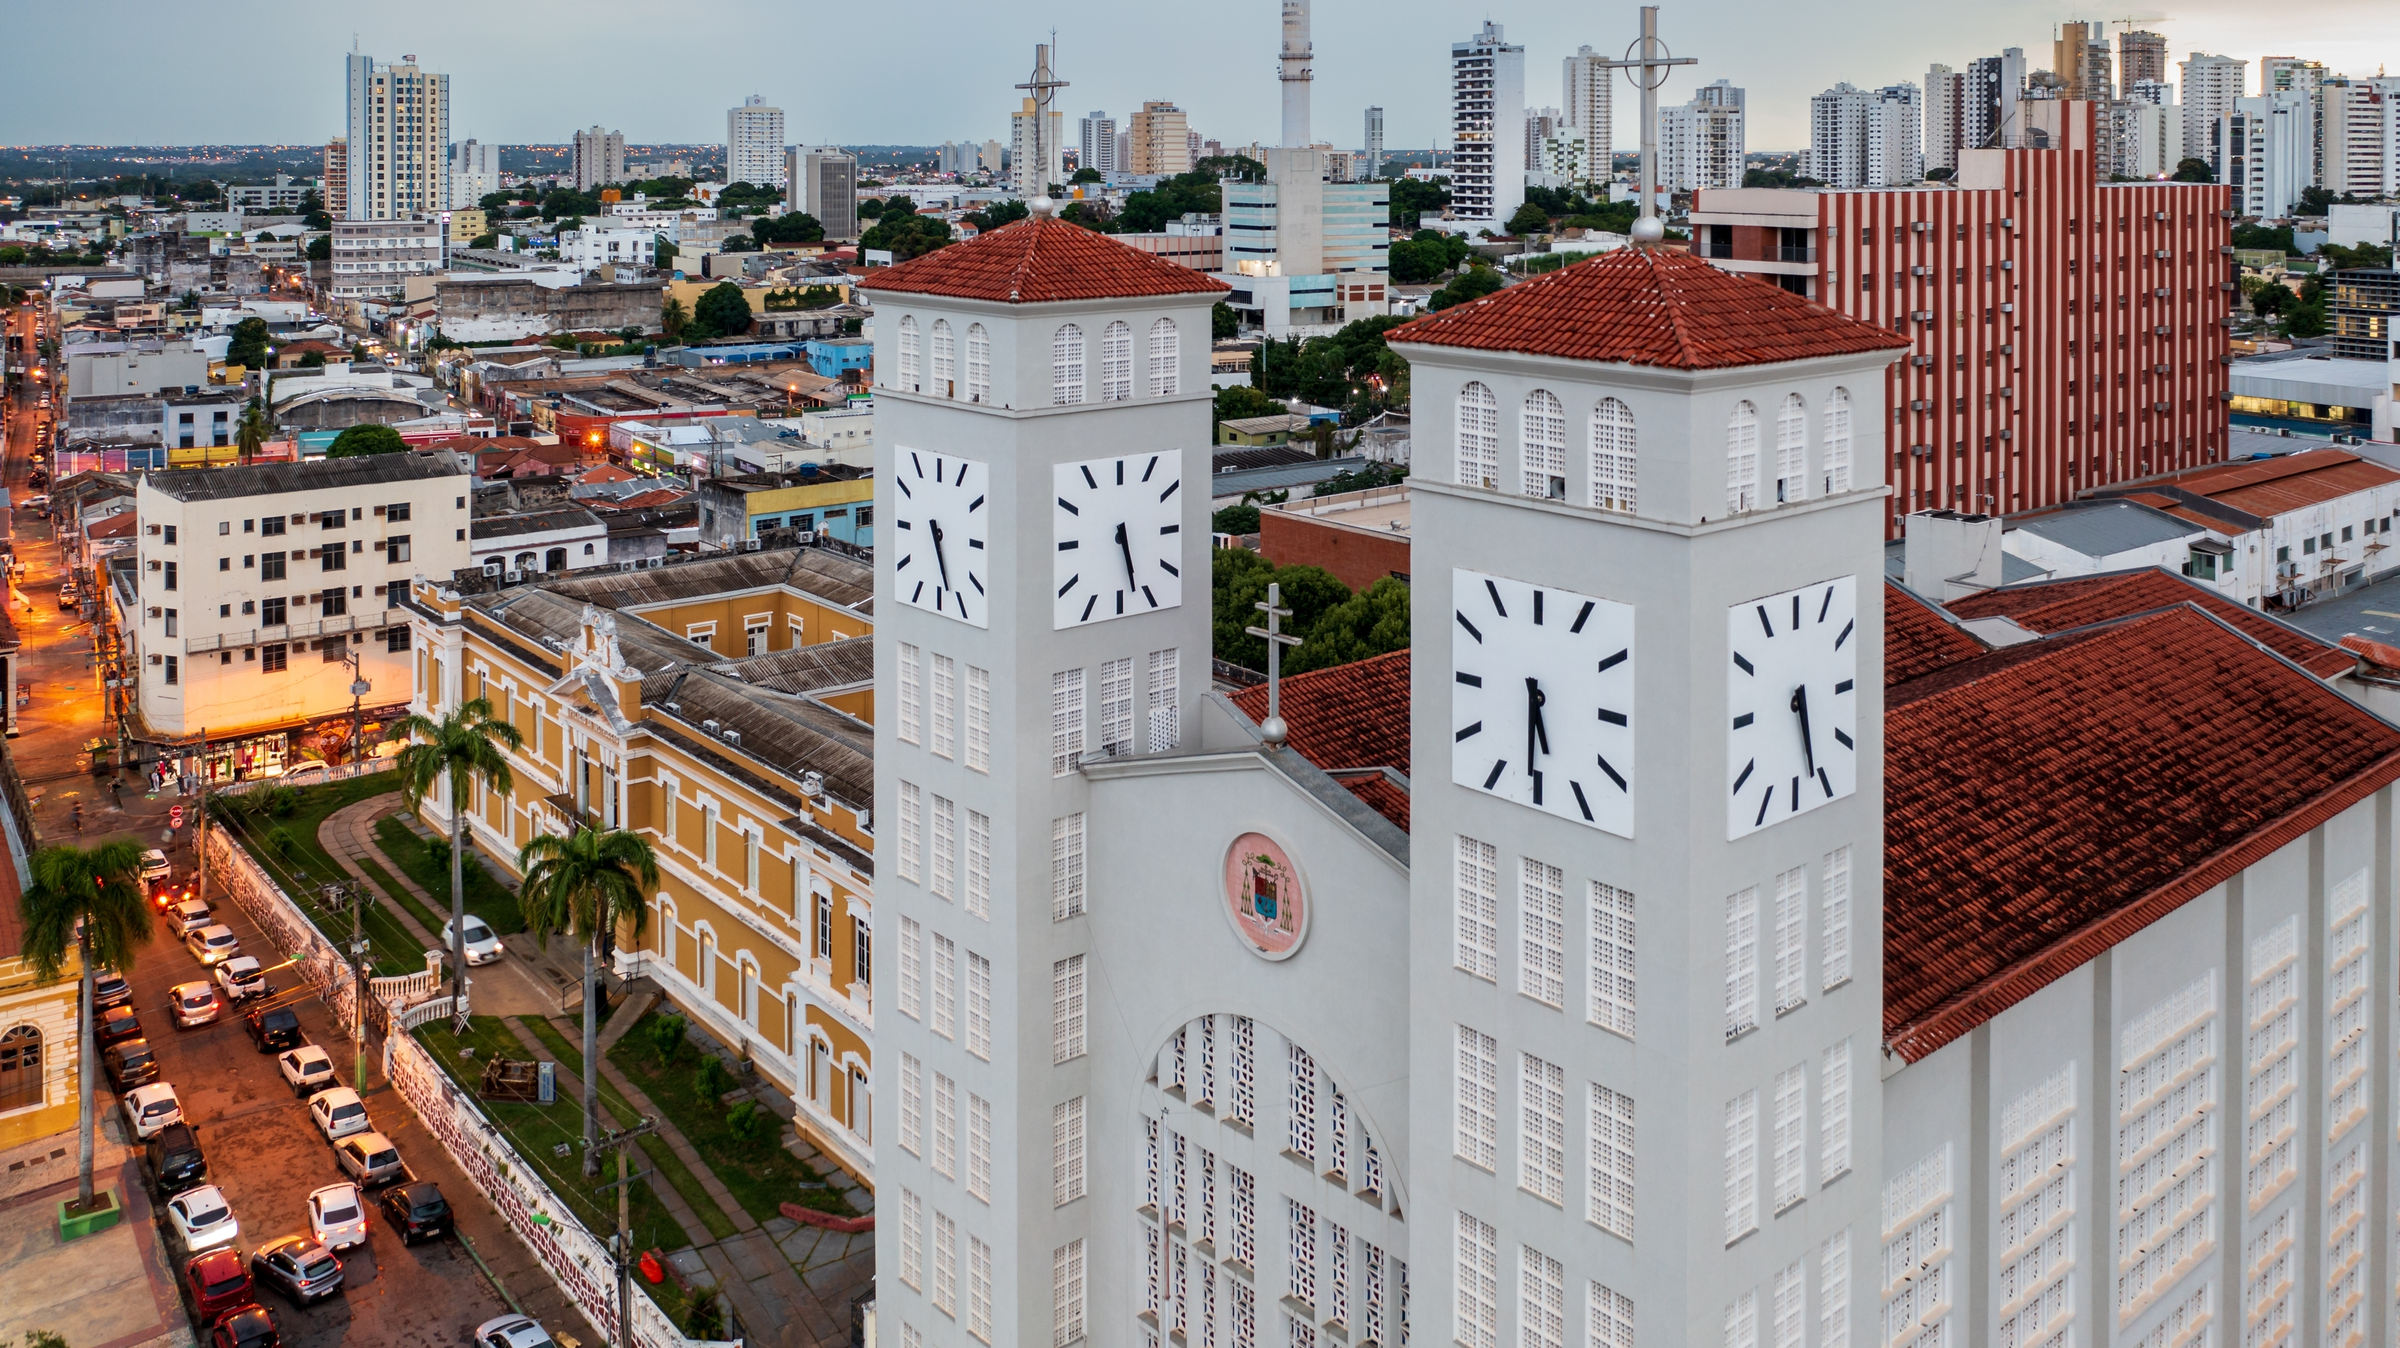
(173, 72)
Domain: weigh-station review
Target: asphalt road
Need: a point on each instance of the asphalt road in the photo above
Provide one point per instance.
(2369, 610)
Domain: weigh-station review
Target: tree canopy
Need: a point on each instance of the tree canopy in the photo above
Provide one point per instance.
(795, 227)
(1472, 284)
(1000, 213)
(1529, 218)
(2194, 170)
(721, 311)
(1223, 322)
(1354, 369)
(365, 439)
(1334, 626)
(1413, 197)
(903, 231)
(1424, 255)
(248, 348)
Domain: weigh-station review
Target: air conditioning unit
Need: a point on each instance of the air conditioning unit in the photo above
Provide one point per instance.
(155, 610)
(710, 725)
(734, 738)
(155, 564)
(807, 536)
(2008, 264)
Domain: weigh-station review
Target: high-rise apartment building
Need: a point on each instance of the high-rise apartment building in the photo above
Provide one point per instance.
(1586, 86)
(2210, 85)
(2289, 74)
(1487, 107)
(399, 140)
(824, 183)
(2358, 137)
(1540, 125)
(1945, 97)
(2141, 55)
(1374, 142)
(1098, 149)
(754, 143)
(1865, 137)
(2140, 138)
(474, 173)
(2081, 59)
(337, 178)
(2065, 331)
(1037, 144)
(600, 159)
(2265, 149)
(1994, 90)
(1161, 141)
(991, 157)
(1704, 143)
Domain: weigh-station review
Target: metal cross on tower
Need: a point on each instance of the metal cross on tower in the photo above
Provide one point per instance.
(1042, 86)
(1648, 73)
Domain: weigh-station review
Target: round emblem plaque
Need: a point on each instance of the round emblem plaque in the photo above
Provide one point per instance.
(1263, 897)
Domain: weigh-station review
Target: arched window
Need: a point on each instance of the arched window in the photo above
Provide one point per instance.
(555, 560)
(706, 974)
(749, 992)
(979, 364)
(909, 356)
(524, 562)
(668, 944)
(945, 360)
(20, 1068)
(1542, 445)
(1116, 362)
(1166, 359)
(1741, 459)
(1837, 442)
(1066, 366)
(1791, 449)
(1478, 436)
(1612, 456)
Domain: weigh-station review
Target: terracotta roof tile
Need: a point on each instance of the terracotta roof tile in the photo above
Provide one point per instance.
(1643, 306)
(2051, 799)
(1919, 638)
(1349, 716)
(2270, 487)
(1040, 261)
(2057, 605)
(1381, 794)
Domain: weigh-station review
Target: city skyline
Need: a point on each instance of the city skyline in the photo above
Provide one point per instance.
(1393, 56)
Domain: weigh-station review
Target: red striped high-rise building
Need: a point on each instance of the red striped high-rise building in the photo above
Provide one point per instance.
(2068, 333)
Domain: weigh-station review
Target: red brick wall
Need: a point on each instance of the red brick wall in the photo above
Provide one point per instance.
(1356, 557)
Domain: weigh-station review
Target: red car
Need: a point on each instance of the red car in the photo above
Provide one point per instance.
(250, 1326)
(219, 1283)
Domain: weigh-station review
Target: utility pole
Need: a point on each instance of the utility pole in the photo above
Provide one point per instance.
(359, 688)
(200, 826)
(620, 1245)
(356, 896)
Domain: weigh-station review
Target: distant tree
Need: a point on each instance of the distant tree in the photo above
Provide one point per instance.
(2305, 319)
(1472, 284)
(906, 233)
(1529, 219)
(312, 211)
(1236, 401)
(2343, 258)
(1414, 197)
(496, 201)
(364, 439)
(2315, 201)
(871, 208)
(1000, 213)
(673, 318)
(1235, 519)
(487, 239)
(1239, 166)
(1088, 175)
(1372, 622)
(2271, 299)
(248, 347)
(795, 227)
(1239, 581)
(722, 311)
(2191, 170)
(312, 360)
(1363, 478)
(1223, 322)
(2275, 237)
(320, 248)
(1940, 175)
(567, 202)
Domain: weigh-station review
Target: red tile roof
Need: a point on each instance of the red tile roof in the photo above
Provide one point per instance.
(2047, 801)
(1349, 716)
(1647, 306)
(1381, 794)
(2270, 487)
(1919, 638)
(1040, 261)
(2057, 605)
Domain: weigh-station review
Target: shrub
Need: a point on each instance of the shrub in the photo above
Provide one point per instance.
(704, 1317)
(712, 1077)
(666, 1037)
(751, 1124)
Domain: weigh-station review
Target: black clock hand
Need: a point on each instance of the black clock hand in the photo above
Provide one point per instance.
(1125, 547)
(1535, 731)
(938, 559)
(1808, 745)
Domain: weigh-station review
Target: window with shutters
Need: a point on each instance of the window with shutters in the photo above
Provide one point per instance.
(1790, 1100)
(979, 1289)
(1166, 359)
(979, 1147)
(912, 1239)
(979, 865)
(2271, 1061)
(944, 1021)
(1337, 1130)
(1741, 459)
(1787, 1307)
(1610, 970)
(1179, 1288)
(1609, 1135)
(1243, 1313)
(1370, 1293)
(1202, 1084)
(1179, 1190)
(1837, 442)
(1301, 1252)
(911, 354)
(912, 832)
(1208, 1305)
(1302, 1113)
(979, 364)
(1066, 867)
(944, 739)
(1242, 1079)
(1741, 963)
(1542, 445)
(912, 694)
(1066, 1262)
(1478, 437)
(1477, 1284)
(1476, 899)
(1741, 1166)
(945, 1126)
(1165, 688)
(1478, 1091)
(1066, 366)
(2166, 1167)
(1116, 362)
(912, 967)
(1741, 1322)
(1608, 1318)
(1791, 940)
(1066, 1152)
(979, 719)
(979, 1006)
(945, 1264)
(945, 359)
(1241, 1191)
(1153, 1165)
(1542, 1129)
(1613, 460)
(1834, 935)
(1154, 1280)
(1066, 721)
(1204, 1206)
(1542, 932)
(944, 881)
(912, 1105)
(2036, 1192)
(1066, 1009)
(1116, 708)
(1833, 1291)
(1791, 449)
(1833, 1113)
(1541, 1300)
(1917, 1236)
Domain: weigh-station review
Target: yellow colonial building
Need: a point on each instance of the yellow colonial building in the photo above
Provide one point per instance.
(723, 708)
(38, 1084)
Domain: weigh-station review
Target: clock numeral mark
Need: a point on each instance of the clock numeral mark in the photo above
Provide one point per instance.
(918, 463)
(1795, 795)
(1763, 802)
(1169, 567)
(1537, 786)
(1470, 731)
(937, 474)
(1826, 782)
(1062, 590)
(1795, 613)
(1172, 488)
(902, 484)
(1827, 606)
(974, 505)
(1537, 608)
(1499, 766)
(1582, 617)
(1612, 717)
(902, 564)
(1494, 591)
(1088, 479)
(975, 543)
(1070, 545)
(1087, 609)
(1120, 472)
(1843, 687)
(938, 592)
(917, 593)
(1738, 781)
(1170, 528)
(903, 524)
(1149, 596)
(1471, 629)
(1764, 622)
(978, 582)
(1742, 663)
(1612, 662)
(1069, 506)
(1742, 721)
(1470, 680)
(1120, 603)
(1150, 468)
(1580, 802)
(1843, 736)
(1847, 629)
(1610, 769)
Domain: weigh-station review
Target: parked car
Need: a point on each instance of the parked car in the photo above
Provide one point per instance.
(251, 1326)
(189, 916)
(274, 1027)
(300, 1267)
(149, 1109)
(155, 865)
(218, 1282)
(306, 774)
(369, 1158)
(116, 1025)
(167, 893)
(68, 596)
(203, 1219)
(175, 1160)
(242, 978)
(417, 1210)
(337, 1214)
(483, 945)
(193, 1005)
(213, 944)
(110, 988)
(130, 1064)
(512, 1331)
(338, 1113)
(306, 1069)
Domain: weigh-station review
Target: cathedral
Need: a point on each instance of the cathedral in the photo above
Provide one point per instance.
(1794, 958)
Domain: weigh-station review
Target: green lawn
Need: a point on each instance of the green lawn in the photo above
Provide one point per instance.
(426, 917)
(284, 843)
(487, 898)
(761, 1176)
(562, 1040)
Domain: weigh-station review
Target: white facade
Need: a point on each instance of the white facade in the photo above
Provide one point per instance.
(1990, 97)
(1374, 142)
(1587, 85)
(754, 144)
(1865, 137)
(1099, 145)
(1487, 110)
(2289, 74)
(599, 158)
(2210, 85)
(373, 258)
(2265, 149)
(594, 245)
(474, 173)
(2143, 140)
(399, 140)
(1704, 144)
(2358, 137)
(1945, 91)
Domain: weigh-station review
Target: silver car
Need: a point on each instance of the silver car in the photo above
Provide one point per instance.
(369, 1158)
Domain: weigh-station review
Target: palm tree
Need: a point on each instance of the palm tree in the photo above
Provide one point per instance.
(251, 435)
(587, 885)
(89, 901)
(671, 318)
(457, 749)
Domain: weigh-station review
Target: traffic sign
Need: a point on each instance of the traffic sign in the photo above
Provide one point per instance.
(175, 817)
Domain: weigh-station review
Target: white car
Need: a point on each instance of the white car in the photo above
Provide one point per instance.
(155, 865)
(242, 978)
(194, 1004)
(512, 1331)
(339, 1113)
(213, 944)
(306, 774)
(150, 1109)
(189, 916)
(483, 945)
(306, 1069)
(203, 1220)
(337, 1216)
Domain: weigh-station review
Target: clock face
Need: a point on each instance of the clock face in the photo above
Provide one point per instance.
(1792, 701)
(1541, 699)
(942, 527)
(1119, 534)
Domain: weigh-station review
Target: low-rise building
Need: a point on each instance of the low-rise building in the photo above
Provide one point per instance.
(597, 245)
(1361, 537)
(372, 257)
(834, 502)
(541, 541)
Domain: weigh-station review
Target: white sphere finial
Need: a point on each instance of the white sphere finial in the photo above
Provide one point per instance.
(1274, 731)
(1648, 231)
(1042, 207)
